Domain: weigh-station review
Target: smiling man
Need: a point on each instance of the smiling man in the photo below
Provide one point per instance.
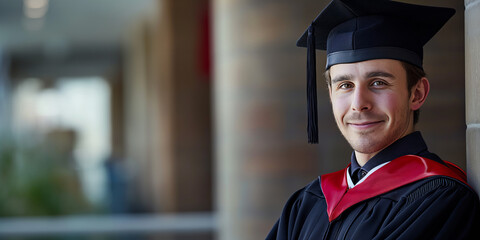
(394, 188)
(372, 105)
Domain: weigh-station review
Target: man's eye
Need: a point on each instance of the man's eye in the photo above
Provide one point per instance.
(345, 85)
(378, 83)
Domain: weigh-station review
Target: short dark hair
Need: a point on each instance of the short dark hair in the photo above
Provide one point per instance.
(414, 74)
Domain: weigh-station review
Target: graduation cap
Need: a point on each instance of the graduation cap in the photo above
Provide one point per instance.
(359, 30)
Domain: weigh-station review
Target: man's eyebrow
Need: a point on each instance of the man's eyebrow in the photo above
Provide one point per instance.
(341, 78)
(379, 74)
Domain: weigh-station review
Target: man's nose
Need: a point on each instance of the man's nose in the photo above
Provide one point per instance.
(361, 99)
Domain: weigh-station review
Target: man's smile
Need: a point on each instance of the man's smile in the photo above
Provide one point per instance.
(364, 125)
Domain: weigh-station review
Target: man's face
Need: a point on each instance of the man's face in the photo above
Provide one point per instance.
(371, 103)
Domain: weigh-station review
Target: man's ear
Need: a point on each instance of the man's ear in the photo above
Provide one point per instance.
(419, 93)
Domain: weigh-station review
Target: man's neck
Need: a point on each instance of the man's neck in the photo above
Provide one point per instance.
(363, 158)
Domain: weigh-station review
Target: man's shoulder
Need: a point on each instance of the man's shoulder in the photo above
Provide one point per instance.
(304, 198)
(437, 175)
(312, 189)
(444, 183)
(430, 186)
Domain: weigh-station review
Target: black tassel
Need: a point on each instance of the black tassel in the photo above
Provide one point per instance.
(312, 127)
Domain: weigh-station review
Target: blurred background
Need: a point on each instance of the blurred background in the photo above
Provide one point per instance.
(185, 119)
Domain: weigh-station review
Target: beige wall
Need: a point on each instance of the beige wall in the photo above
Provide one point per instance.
(472, 90)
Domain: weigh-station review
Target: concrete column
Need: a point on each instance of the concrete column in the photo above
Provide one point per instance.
(168, 116)
(262, 154)
(472, 90)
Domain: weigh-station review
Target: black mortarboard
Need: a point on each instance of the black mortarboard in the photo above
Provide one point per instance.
(360, 30)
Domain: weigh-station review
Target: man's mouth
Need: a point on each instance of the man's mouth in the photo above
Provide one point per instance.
(364, 125)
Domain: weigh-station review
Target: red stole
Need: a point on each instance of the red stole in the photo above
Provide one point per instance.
(399, 172)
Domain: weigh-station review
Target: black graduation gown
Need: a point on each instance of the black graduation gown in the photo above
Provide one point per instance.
(435, 207)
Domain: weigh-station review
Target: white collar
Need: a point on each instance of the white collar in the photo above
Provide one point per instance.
(349, 179)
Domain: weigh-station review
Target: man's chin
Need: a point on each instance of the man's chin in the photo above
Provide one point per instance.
(367, 146)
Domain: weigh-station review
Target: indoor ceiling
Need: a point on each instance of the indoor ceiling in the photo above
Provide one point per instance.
(68, 23)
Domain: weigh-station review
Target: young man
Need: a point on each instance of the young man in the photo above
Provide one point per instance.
(394, 187)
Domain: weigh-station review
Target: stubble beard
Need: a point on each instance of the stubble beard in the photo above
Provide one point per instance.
(368, 141)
